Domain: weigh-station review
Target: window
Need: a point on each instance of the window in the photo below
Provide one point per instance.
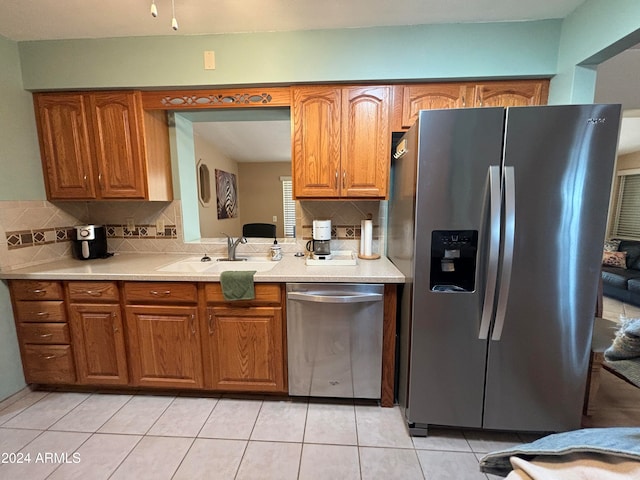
(288, 207)
(626, 221)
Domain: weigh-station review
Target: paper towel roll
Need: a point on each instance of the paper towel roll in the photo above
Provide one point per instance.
(367, 237)
(362, 237)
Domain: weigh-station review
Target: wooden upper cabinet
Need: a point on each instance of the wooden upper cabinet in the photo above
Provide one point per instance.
(511, 93)
(366, 142)
(430, 97)
(118, 145)
(63, 129)
(316, 141)
(103, 145)
(341, 142)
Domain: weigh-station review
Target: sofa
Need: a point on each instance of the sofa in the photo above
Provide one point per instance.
(621, 270)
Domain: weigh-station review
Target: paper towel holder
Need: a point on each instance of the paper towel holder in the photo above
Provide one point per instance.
(361, 253)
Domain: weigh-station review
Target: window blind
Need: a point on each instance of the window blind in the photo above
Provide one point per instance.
(289, 208)
(627, 218)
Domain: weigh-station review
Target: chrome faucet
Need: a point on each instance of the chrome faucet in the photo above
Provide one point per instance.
(231, 247)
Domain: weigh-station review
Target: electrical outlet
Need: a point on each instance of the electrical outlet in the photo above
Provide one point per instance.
(275, 218)
(131, 224)
(160, 225)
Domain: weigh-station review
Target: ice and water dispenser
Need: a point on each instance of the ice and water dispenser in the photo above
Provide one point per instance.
(453, 260)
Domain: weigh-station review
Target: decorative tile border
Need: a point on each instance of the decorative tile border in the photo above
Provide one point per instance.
(340, 232)
(36, 237)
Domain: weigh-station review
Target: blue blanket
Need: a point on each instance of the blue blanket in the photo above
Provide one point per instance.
(622, 442)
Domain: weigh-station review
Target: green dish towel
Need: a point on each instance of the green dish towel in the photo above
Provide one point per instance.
(237, 285)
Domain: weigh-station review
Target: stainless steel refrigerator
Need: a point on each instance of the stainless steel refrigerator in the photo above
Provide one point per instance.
(497, 219)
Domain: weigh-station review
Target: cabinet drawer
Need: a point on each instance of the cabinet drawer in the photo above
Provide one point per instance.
(44, 333)
(265, 293)
(49, 364)
(93, 291)
(36, 290)
(41, 311)
(160, 292)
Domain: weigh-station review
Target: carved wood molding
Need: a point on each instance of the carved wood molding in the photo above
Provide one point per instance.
(221, 98)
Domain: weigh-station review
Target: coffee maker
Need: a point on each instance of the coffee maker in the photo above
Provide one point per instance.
(320, 246)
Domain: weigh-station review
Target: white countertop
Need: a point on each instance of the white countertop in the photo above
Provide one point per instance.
(141, 267)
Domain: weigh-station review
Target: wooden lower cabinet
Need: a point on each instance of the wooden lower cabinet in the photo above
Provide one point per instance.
(164, 346)
(244, 348)
(43, 331)
(98, 340)
(48, 364)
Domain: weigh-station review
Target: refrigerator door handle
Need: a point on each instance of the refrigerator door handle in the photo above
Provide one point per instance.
(494, 251)
(507, 261)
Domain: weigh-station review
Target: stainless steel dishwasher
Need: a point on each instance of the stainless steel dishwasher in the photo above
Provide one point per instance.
(334, 336)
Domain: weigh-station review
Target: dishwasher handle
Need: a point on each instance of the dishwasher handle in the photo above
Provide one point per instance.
(321, 297)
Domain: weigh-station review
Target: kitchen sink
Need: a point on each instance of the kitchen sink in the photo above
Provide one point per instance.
(217, 265)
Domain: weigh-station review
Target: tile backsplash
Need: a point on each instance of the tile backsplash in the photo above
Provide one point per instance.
(40, 231)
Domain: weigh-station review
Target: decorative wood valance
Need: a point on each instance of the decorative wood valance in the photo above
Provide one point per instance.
(221, 98)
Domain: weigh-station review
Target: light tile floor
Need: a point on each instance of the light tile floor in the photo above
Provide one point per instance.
(104, 435)
(107, 435)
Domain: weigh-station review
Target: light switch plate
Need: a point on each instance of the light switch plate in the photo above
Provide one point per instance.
(209, 60)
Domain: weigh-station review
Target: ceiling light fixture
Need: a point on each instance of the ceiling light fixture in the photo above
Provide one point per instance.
(154, 13)
(174, 22)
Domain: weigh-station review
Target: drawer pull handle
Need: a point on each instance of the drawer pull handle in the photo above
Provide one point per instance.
(156, 293)
(40, 314)
(48, 357)
(93, 293)
(45, 335)
(38, 291)
(193, 324)
(210, 324)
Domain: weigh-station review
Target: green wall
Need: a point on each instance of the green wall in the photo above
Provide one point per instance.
(524, 49)
(19, 150)
(594, 32)
(21, 180)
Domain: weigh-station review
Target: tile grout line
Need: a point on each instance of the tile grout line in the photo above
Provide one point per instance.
(193, 441)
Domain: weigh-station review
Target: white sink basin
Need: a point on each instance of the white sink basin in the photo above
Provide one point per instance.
(218, 265)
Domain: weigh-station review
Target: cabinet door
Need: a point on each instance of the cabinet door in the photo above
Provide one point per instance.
(164, 346)
(510, 94)
(430, 97)
(366, 157)
(117, 133)
(246, 349)
(316, 142)
(63, 132)
(98, 342)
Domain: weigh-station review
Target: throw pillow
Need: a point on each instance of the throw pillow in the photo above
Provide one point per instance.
(611, 245)
(615, 259)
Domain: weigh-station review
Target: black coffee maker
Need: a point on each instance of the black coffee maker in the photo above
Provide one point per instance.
(90, 242)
